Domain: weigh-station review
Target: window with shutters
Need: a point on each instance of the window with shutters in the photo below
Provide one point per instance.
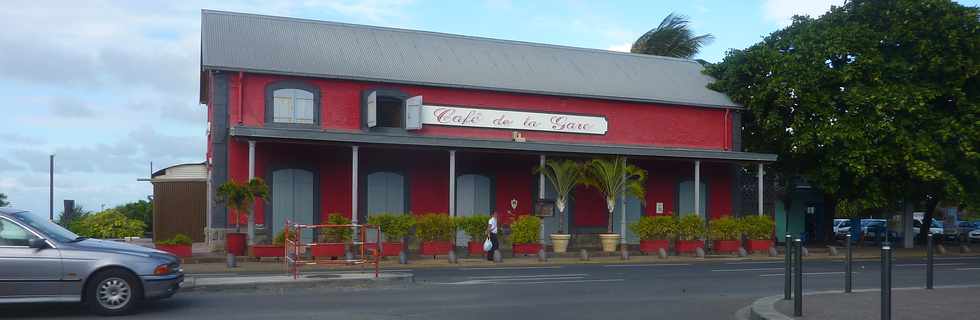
(391, 110)
(292, 103)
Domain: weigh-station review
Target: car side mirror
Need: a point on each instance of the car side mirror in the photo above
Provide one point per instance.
(37, 243)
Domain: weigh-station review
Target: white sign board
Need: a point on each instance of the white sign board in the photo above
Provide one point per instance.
(512, 120)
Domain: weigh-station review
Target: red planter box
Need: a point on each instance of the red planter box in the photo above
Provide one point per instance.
(475, 248)
(652, 246)
(758, 245)
(264, 250)
(688, 246)
(524, 248)
(179, 250)
(327, 250)
(235, 243)
(388, 249)
(435, 248)
(727, 246)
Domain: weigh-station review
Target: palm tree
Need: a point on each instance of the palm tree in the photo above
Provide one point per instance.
(613, 177)
(671, 38)
(241, 197)
(564, 176)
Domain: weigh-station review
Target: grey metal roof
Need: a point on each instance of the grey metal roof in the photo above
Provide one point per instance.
(257, 43)
(470, 143)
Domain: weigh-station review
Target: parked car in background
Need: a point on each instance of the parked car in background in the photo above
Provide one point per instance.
(974, 236)
(43, 262)
(936, 229)
(839, 223)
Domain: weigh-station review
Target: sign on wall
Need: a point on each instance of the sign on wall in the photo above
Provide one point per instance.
(512, 120)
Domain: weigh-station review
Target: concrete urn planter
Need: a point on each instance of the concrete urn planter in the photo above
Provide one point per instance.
(559, 242)
(609, 241)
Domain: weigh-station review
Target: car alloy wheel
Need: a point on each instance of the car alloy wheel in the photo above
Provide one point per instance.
(114, 293)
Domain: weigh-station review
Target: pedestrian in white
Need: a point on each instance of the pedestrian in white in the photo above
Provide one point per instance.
(492, 234)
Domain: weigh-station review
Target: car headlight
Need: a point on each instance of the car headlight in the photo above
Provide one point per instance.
(165, 269)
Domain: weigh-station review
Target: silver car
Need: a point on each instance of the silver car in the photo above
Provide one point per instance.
(42, 262)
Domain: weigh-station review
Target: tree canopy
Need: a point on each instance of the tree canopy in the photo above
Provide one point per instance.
(672, 38)
(3, 200)
(874, 102)
(141, 210)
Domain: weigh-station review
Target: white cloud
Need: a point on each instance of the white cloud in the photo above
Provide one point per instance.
(782, 11)
(623, 47)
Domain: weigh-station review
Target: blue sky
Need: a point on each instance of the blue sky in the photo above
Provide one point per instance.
(109, 86)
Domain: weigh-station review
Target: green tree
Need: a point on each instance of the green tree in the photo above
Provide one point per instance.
(241, 197)
(671, 38)
(3, 200)
(108, 224)
(141, 210)
(67, 218)
(875, 102)
(563, 175)
(614, 177)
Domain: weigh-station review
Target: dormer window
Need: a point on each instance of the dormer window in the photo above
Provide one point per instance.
(292, 103)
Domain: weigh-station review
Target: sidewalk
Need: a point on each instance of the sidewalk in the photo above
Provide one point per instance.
(950, 302)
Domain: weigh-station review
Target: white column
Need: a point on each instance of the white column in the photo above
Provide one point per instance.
(697, 188)
(353, 185)
(759, 174)
(251, 175)
(541, 191)
(452, 183)
(622, 209)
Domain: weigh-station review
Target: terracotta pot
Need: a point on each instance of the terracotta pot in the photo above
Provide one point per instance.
(559, 242)
(609, 241)
(435, 248)
(758, 245)
(235, 243)
(653, 246)
(179, 250)
(526, 248)
(328, 250)
(475, 248)
(727, 246)
(688, 246)
(263, 250)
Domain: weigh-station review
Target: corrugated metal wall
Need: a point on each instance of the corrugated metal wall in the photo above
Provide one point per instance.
(179, 207)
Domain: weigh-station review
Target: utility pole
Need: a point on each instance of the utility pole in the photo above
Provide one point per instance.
(51, 188)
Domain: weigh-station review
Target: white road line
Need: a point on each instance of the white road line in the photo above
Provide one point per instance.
(805, 274)
(645, 265)
(923, 264)
(530, 276)
(755, 262)
(569, 281)
(966, 269)
(511, 268)
(956, 258)
(743, 270)
(533, 279)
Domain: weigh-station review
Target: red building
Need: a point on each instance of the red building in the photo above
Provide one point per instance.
(358, 120)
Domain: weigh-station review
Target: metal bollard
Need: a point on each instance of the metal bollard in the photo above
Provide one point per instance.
(788, 270)
(848, 267)
(798, 289)
(929, 254)
(886, 282)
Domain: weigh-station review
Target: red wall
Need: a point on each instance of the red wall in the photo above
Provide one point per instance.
(629, 123)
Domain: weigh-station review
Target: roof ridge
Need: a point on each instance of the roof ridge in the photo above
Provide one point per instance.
(444, 34)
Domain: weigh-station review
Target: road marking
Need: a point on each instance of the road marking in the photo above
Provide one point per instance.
(923, 264)
(570, 281)
(966, 269)
(805, 274)
(755, 262)
(743, 270)
(530, 276)
(646, 265)
(511, 268)
(956, 258)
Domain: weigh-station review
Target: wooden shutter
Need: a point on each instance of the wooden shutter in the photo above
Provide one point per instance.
(372, 110)
(413, 113)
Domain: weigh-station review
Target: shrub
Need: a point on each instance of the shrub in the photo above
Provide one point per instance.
(280, 238)
(179, 239)
(654, 228)
(725, 228)
(474, 226)
(435, 227)
(337, 234)
(526, 229)
(107, 224)
(758, 227)
(394, 227)
(690, 227)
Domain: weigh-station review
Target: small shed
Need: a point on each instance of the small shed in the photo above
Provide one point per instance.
(180, 201)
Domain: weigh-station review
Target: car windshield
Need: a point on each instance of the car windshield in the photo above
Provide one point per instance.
(46, 227)
(937, 224)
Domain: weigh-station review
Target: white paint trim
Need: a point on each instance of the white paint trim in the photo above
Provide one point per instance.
(759, 174)
(697, 189)
(251, 159)
(452, 183)
(353, 184)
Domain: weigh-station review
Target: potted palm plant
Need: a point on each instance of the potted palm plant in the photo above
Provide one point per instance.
(179, 245)
(395, 228)
(690, 231)
(240, 197)
(759, 231)
(435, 231)
(277, 248)
(614, 177)
(524, 233)
(474, 227)
(654, 232)
(563, 175)
(726, 232)
(333, 240)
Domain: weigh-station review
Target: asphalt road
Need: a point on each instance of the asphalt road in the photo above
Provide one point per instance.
(665, 290)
